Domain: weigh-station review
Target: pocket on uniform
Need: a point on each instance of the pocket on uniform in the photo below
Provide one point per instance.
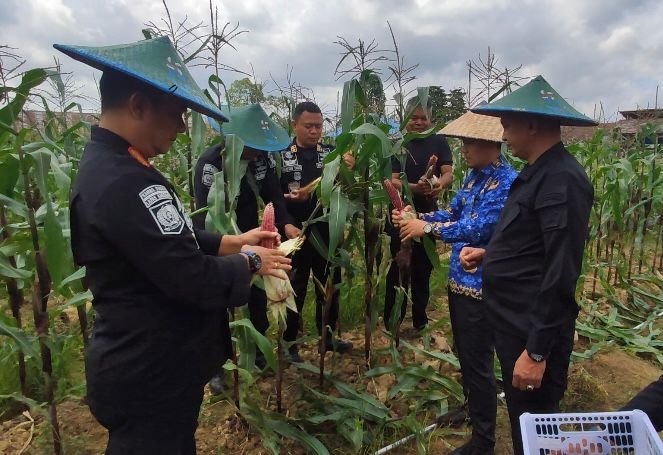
(509, 215)
(552, 210)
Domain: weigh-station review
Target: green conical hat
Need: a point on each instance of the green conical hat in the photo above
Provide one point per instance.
(256, 129)
(537, 97)
(153, 61)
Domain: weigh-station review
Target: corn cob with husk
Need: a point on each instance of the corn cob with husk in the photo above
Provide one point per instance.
(279, 291)
(308, 189)
(429, 176)
(405, 252)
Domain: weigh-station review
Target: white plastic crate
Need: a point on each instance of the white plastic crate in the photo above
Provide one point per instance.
(615, 433)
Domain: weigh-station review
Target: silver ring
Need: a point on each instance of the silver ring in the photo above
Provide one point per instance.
(277, 265)
(530, 388)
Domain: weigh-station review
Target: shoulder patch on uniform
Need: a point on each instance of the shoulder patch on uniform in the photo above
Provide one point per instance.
(159, 202)
(154, 194)
(208, 174)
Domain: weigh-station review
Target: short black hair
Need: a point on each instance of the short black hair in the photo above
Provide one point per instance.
(116, 88)
(305, 106)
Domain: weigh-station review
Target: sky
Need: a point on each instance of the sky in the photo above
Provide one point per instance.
(595, 53)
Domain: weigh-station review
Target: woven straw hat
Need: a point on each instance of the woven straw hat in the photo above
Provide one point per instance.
(475, 126)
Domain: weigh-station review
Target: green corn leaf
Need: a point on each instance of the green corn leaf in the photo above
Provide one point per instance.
(259, 339)
(329, 174)
(7, 271)
(10, 113)
(338, 211)
(9, 173)
(24, 342)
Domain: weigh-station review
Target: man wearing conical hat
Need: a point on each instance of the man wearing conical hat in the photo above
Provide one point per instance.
(159, 287)
(533, 261)
(470, 220)
(261, 137)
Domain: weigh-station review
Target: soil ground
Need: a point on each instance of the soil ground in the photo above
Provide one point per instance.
(605, 382)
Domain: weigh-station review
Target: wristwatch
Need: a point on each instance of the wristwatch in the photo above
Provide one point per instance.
(428, 228)
(254, 261)
(538, 358)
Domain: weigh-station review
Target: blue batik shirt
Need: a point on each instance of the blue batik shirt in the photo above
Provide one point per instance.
(471, 219)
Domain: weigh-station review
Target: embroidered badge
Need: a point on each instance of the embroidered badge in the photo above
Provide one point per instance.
(208, 174)
(260, 170)
(154, 194)
(168, 218)
(158, 200)
(322, 153)
(290, 162)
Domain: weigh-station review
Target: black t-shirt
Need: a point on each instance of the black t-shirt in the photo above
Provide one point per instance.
(159, 289)
(260, 172)
(419, 152)
(534, 257)
(299, 167)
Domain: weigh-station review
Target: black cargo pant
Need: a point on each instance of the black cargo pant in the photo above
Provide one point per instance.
(258, 309)
(473, 338)
(305, 261)
(544, 400)
(166, 428)
(650, 401)
(420, 271)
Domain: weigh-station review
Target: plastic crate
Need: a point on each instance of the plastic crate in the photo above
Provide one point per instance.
(617, 433)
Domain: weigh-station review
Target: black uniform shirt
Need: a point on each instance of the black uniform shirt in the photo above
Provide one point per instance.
(419, 152)
(262, 171)
(533, 260)
(299, 167)
(158, 287)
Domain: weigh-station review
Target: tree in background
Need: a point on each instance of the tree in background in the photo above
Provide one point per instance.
(446, 106)
(243, 92)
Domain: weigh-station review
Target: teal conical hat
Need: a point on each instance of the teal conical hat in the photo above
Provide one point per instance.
(153, 61)
(537, 97)
(256, 129)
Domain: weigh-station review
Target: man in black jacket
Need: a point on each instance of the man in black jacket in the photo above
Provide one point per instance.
(301, 163)
(159, 286)
(533, 261)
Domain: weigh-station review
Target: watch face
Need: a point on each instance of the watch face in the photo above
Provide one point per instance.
(257, 262)
(428, 228)
(536, 357)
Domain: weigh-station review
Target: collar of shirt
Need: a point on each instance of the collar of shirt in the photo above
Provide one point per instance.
(298, 148)
(477, 175)
(99, 134)
(547, 156)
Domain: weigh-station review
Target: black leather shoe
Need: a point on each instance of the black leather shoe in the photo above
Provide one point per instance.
(472, 447)
(455, 418)
(216, 384)
(293, 354)
(337, 345)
